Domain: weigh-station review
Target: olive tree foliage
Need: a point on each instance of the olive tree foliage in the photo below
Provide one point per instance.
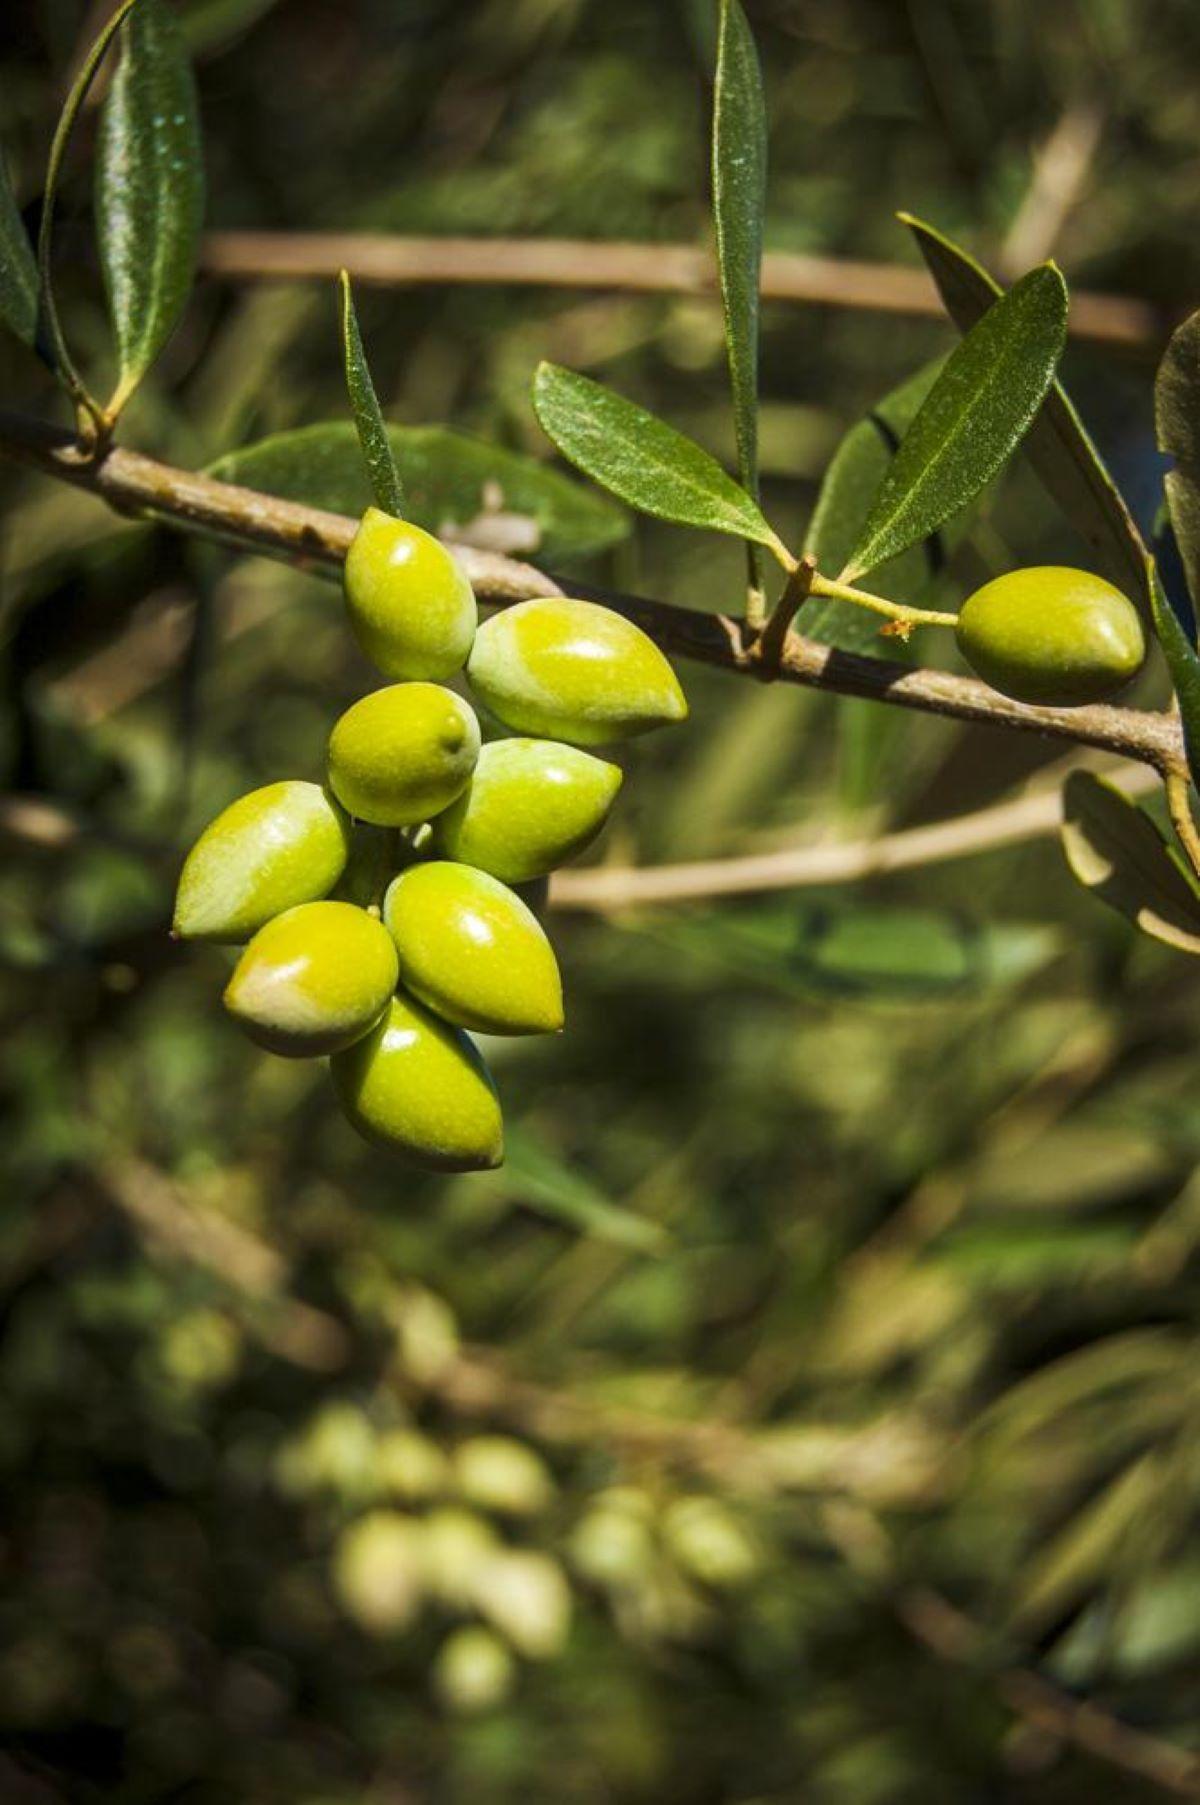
(463, 1547)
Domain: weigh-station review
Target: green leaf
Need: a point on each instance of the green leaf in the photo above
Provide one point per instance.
(976, 414)
(149, 190)
(739, 175)
(1058, 445)
(642, 459)
(368, 416)
(1177, 420)
(452, 484)
(848, 488)
(538, 1177)
(18, 266)
(1184, 666)
(1116, 851)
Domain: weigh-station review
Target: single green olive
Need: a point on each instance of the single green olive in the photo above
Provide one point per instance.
(570, 670)
(530, 806)
(1052, 635)
(314, 980)
(402, 754)
(420, 1087)
(411, 608)
(284, 844)
(471, 950)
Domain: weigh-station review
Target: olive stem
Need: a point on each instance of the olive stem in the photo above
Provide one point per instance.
(900, 612)
(1179, 805)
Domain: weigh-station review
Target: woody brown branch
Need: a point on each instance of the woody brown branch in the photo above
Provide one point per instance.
(133, 484)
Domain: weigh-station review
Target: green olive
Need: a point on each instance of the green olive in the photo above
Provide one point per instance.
(1052, 635)
(420, 1087)
(402, 754)
(284, 844)
(411, 608)
(314, 980)
(471, 950)
(530, 806)
(570, 670)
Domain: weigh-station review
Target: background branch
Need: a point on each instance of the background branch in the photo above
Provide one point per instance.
(379, 258)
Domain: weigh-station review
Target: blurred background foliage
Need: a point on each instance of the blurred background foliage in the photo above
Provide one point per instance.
(808, 1408)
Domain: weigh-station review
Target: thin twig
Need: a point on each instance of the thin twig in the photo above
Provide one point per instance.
(639, 268)
(1061, 166)
(135, 484)
(610, 889)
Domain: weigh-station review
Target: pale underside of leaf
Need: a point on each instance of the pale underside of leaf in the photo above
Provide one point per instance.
(1115, 850)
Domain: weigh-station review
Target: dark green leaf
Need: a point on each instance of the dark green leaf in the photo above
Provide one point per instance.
(1177, 418)
(739, 200)
(452, 484)
(642, 459)
(974, 417)
(538, 1177)
(1184, 666)
(1057, 444)
(149, 190)
(1115, 850)
(18, 266)
(848, 488)
(368, 416)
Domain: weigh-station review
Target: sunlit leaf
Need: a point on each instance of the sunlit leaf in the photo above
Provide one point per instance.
(1057, 444)
(368, 416)
(149, 189)
(642, 459)
(1096, 1546)
(452, 484)
(18, 266)
(739, 175)
(1115, 850)
(974, 417)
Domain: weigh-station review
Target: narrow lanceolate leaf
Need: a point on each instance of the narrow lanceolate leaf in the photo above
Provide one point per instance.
(1184, 666)
(18, 266)
(1117, 852)
(641, 459)
(368, 416)
(976, 414)
(1177, 419)
(1058, 445)
(739, 177)
(149, 190)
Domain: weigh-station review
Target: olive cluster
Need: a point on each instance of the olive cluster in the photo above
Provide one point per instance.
(381, 910)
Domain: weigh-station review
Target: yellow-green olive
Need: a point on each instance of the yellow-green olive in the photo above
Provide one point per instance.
(314, 980)
(284, 844)
(419, 1087)
(570, 670)
(530, 806)
(402, 754)
(471, 950)
(1052, 635)
(411, 608)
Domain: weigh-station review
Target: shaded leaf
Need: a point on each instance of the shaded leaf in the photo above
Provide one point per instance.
(149, 189)
(18, 266)
(1058, 445)
(972, 420)
(849, 486)
(739, 175)
(642, 459)
(1184, 666)
(1177, 421)
(1116, 851)
(452, 484)
(536, 1176)
(368, 416)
